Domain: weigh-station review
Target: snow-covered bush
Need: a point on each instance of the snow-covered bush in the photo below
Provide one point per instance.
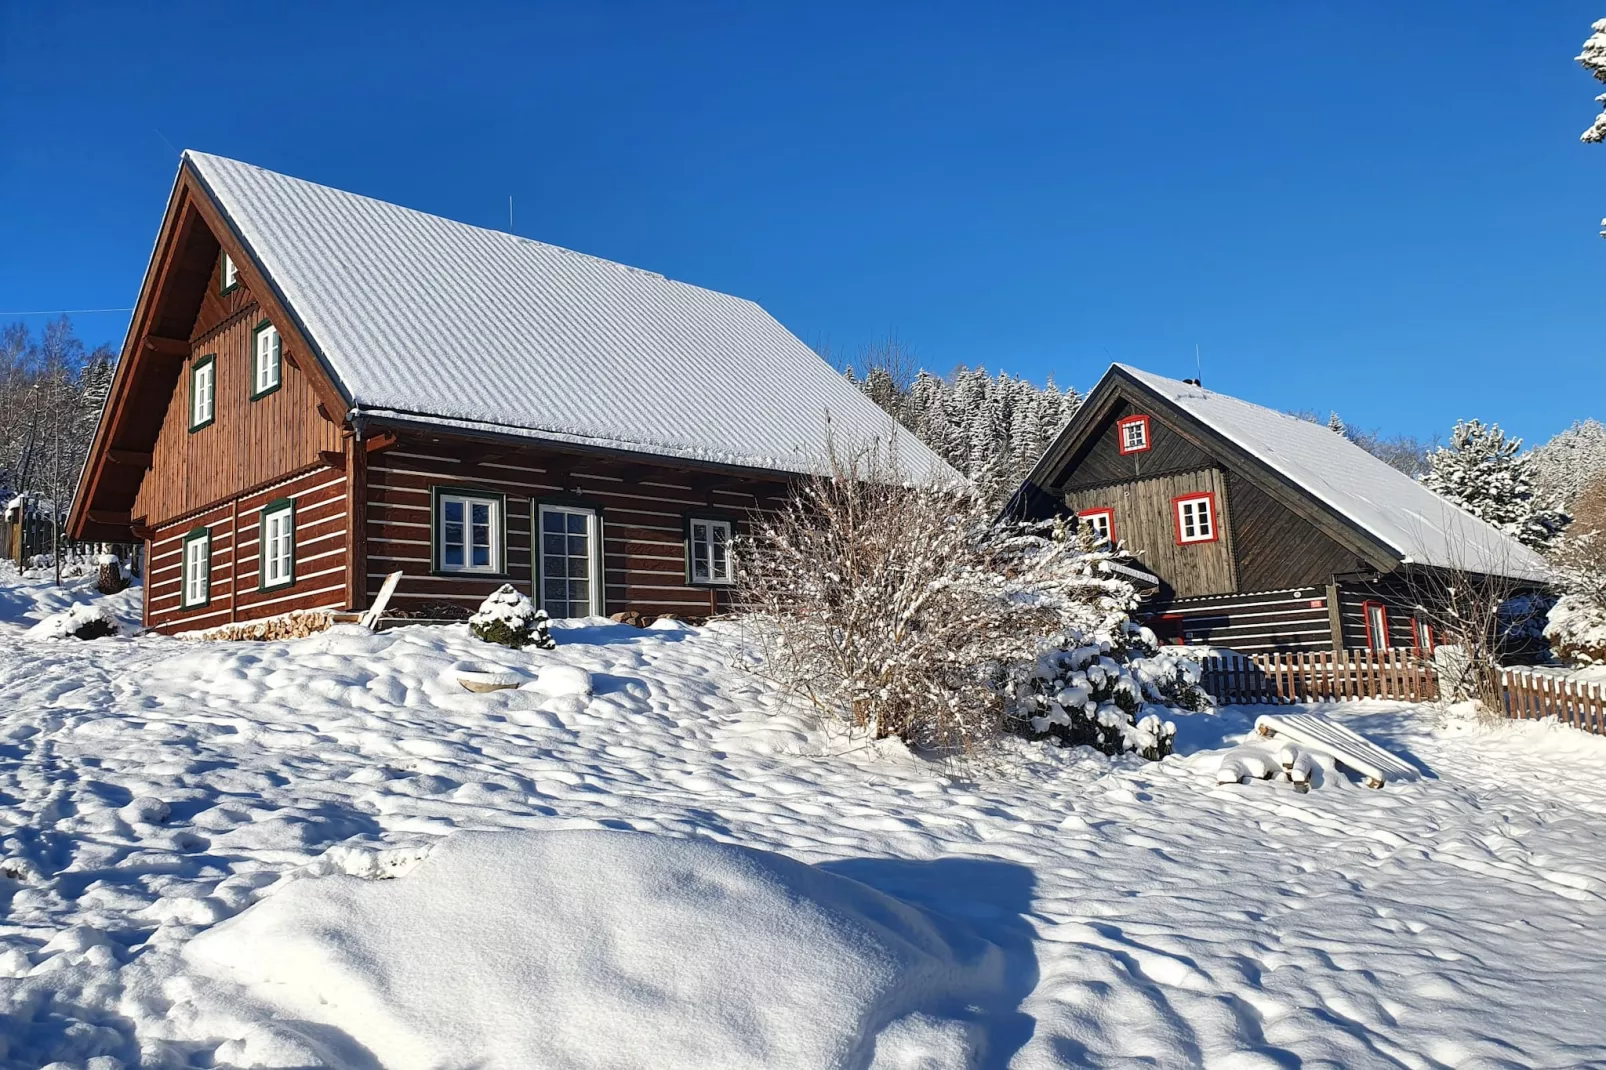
(906, 610)
(511, 619)
(80, 620)
(1576, 627)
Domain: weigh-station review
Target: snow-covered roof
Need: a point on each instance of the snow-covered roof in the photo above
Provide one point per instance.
(1423, 527)
(424, 318)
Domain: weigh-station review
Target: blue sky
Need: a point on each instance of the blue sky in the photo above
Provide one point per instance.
(1381, 208)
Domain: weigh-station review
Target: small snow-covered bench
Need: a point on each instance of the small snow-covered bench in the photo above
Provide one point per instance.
(1346, 747)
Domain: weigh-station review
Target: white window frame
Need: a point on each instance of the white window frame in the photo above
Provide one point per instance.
(596, 580)
(709, 525)
(276, 562)
(497, 527)
(1125, 425)
(266, 376)
(203, 392)
(1101, 522)
(1209, 530)
(195, 586)
(231, 274)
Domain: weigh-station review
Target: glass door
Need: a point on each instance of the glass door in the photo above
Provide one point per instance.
(567, 579)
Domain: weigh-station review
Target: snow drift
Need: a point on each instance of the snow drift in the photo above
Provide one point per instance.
(588, 948)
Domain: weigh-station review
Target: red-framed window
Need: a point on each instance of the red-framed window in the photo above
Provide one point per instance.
(1376, 615)
(1197, 518)
(1169, 628)
(1102, 523)
(1132, 434)
(1423, 639)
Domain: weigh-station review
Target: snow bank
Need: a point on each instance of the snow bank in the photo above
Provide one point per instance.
(593, 948)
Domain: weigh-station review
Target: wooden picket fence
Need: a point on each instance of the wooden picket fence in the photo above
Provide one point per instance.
(1531, 696)
(1319, 676)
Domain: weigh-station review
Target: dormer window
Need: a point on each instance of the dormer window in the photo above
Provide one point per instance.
(1132, 433)
(1196, 518)
(1100, 523)
(230, 275)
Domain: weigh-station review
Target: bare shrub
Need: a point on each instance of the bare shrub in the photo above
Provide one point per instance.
(904, 609)
(1577, 623)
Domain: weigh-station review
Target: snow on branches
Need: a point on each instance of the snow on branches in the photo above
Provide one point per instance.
(509, 618)
(906, 611)
(1484, 472)
(1593, 60)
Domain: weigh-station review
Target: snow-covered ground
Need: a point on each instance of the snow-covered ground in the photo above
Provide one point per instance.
(1084, 911)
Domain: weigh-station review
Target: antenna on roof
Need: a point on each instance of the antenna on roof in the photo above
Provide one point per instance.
(510, 213)
(1198, 367)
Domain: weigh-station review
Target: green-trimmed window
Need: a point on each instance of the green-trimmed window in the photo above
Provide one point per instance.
(229, 276)
(203, 391)
(278, 545)
(708, 548)
(468, 531)
(266, 360)
(196, 588)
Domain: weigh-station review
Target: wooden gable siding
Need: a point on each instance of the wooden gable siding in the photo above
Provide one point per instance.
(235, 527)
(643, 509)
(249, 443)
(1145, 523)
(1100, 461)
(1274, 548)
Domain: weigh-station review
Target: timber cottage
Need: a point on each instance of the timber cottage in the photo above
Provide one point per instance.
(318, 389)
(1261, 531)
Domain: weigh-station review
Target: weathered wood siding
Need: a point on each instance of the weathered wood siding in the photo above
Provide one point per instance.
(642, 508)
(1257, 622)
(249, 443)
(1274, 547)
(235, 526)
(1100, 461)
(1146, 523)
(1398, 600)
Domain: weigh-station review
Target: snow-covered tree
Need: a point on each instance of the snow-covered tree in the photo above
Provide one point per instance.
(1336, 425)
(1593, 59)
(991, 428)
(1565, 465)
(1486, 474)
(1576, 626)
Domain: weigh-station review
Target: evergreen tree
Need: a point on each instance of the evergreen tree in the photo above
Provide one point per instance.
(1337, 425)
(1485, 473)
(1568, 463)
(991, 428)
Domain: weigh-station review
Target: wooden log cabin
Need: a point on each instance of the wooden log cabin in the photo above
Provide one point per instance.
(318, 389)
(1260, 531)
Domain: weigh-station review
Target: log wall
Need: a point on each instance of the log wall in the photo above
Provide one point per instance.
(320, 552)
(643, 510)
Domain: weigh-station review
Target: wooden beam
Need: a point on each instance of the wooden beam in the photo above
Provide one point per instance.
(132, 457)
(324, 412)
(333, 458)
(381, 442)
(167, 347)
(96, 516)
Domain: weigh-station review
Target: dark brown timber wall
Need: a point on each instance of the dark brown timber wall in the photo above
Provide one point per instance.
(642, 509)
(320, 556)
(1261, 621)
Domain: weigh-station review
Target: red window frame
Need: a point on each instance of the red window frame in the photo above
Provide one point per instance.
(1419, 629)
(1383, 615)
(1120, 434)
(1215, 516)
(1109, 518)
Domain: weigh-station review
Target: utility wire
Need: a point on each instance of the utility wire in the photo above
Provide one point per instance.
(64, 311)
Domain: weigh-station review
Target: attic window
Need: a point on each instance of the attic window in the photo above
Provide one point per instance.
(266, 360)
(1196, 518)
(1101, 523)
(203, 391)
(230, 276)
(1133, 434)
